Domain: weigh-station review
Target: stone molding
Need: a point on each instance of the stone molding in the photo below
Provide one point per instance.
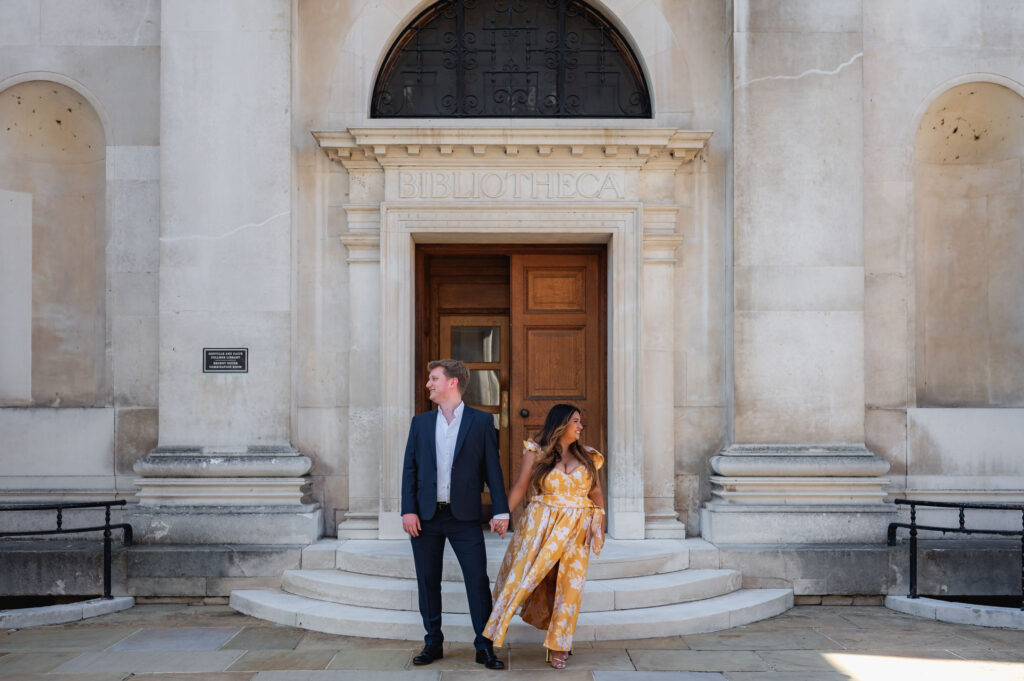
(798, 460)
(369, 148)
(214, 476)
(237, 491)
(215, 462)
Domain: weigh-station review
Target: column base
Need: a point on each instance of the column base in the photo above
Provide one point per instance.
(207, 495)
(796, 494)
(663, 522)
(795, 524)
(263, 525)
(359, 526)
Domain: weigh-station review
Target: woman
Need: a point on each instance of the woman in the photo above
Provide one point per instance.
(545, 565)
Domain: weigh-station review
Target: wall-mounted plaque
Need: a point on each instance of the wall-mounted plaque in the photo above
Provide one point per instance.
(225, 360)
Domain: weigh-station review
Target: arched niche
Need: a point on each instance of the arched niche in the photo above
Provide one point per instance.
(969, 196)
(53, 184)
(511, 59)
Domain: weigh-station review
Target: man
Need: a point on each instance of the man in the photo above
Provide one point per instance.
(451, 452)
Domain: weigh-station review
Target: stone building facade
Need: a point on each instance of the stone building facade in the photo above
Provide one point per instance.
(810, 255)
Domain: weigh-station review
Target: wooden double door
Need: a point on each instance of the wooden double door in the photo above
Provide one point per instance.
(529, 322)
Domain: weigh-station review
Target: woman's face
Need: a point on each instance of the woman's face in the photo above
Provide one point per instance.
(575, 429)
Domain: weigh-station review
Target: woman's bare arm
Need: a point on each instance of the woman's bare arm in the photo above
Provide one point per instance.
(518, 491)
(597, 496)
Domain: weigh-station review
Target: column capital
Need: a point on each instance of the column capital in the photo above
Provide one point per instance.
(363, 247)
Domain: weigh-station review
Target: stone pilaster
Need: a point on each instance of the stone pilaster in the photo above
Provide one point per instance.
(225, 281)
(360, 521)
(798, 471)
(659, 258)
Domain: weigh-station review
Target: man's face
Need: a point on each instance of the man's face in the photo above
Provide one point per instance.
(440, 387)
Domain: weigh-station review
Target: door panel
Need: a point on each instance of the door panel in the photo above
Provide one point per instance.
(557, 343)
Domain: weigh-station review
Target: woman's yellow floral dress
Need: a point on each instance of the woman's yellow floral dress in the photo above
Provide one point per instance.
(545, 565)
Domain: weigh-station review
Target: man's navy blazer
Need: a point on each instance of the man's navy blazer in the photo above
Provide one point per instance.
(475, 462)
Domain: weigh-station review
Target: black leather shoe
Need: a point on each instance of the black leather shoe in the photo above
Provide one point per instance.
(429, 654)
(488, 659)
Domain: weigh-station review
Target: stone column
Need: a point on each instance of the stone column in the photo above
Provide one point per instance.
(364, 450)
(659, 257)
(799, 470)
(224, 470)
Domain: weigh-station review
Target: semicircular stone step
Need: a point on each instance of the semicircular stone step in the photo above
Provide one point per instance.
(619, 558)
(395, 593)
(712, 614)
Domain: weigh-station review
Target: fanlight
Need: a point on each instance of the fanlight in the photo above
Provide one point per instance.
(511, 59)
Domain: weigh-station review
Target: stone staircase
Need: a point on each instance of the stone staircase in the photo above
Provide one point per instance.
(635, 589)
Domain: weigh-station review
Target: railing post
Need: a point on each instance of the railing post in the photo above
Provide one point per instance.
(913, 551)
(106, 554)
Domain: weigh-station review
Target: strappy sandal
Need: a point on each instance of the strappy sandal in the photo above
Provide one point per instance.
(558, 659)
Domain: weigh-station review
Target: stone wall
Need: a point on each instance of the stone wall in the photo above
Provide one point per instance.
(921, 264)
(87, 183)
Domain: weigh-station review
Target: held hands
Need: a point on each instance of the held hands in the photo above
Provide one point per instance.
(411, 524)
(499, 526)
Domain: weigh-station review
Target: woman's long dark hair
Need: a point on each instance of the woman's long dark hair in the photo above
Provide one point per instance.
(555, 425)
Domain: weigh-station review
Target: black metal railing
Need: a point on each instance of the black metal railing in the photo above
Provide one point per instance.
(106, 527)
(960, 529)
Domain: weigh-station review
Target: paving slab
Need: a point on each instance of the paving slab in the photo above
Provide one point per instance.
(176, 638)
(116, 676)
(372, 658)
(266, 638)
(352, 675)
(204, 676)
(614, 659)
(269, 660)
(150, 661)
(997, 639)
(698, 660)
(891, 639)
(809, 660)
(33, 663)
(511, 675)
(793, 676)
(988, 655)
(663, 643)
(658, 676)
(868, 666)
(57, 639)
(734, 639)
(321, 640)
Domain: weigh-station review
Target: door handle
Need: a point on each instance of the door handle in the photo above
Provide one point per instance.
(504, 409)
(524, 412)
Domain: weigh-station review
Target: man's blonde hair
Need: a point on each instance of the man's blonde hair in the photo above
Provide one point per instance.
(453, 368)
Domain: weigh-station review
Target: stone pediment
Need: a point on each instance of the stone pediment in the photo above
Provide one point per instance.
(635, 148)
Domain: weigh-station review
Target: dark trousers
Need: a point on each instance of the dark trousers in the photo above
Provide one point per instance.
(467, 540)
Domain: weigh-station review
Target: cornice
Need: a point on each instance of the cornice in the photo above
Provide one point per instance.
(376, 148)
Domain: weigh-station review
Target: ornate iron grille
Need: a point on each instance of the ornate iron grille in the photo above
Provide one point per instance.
(511, 58)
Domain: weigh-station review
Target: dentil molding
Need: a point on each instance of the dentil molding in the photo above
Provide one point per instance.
(376, 148)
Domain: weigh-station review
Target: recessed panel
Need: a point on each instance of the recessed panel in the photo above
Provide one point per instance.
(555, 290)
(455, 295)
(557, 361)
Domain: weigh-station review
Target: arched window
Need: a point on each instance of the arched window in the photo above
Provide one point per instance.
(511, 59)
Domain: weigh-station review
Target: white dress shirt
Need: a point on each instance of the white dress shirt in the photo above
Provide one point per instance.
(445, 435)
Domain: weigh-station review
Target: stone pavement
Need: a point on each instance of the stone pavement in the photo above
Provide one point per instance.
(179, 642)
